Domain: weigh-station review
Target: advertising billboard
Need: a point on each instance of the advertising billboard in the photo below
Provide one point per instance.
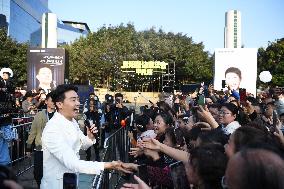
(237, 68)
(46, 68)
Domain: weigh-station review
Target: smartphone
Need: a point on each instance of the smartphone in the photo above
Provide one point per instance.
(273, 129)
(275, 118)
(70, 181)
(201, 100)
(223, 83)
(243, 96)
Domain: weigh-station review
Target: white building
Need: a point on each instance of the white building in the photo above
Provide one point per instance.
(232, 31)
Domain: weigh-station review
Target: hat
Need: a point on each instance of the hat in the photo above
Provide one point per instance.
(8, 70)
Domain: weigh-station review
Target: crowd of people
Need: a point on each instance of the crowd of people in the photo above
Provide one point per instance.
(206, 139)
(219, 143)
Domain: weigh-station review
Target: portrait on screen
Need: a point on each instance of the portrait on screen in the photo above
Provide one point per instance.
(46, 68)
(237, 67)
(233, 78)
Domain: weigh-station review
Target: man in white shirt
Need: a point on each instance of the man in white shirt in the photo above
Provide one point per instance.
(62, 140)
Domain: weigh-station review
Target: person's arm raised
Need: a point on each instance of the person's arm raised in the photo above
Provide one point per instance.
(176, 154)
(207, 116)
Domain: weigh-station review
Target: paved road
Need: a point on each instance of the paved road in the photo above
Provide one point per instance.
(27, 178)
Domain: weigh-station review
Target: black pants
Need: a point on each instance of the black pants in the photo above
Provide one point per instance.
(38, 167)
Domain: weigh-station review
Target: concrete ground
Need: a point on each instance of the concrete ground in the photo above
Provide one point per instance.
(26, 179)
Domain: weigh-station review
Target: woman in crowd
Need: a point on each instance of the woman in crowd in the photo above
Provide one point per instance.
(144, 127)
(228, 118)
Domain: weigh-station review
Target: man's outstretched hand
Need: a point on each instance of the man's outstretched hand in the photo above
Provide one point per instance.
(119, 166)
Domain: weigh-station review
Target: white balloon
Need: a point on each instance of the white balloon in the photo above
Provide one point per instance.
(265, 76)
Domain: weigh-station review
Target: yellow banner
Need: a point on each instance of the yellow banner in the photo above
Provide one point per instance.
(143, 67)
(144, 64)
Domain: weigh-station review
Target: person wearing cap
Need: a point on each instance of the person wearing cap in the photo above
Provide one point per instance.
(6, 133)
(7, 88)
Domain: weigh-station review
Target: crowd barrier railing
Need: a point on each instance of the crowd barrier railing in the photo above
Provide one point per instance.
(116, 147)
(17, 147)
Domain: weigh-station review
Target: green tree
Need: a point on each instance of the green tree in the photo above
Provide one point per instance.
(98, 57)
(14, 56)
(272, 59)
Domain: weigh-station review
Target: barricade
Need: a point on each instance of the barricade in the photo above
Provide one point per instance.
(116, 147)
(21, 127)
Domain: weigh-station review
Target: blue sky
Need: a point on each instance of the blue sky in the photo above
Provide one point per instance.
(203, 20)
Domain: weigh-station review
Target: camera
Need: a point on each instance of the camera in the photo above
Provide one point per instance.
(118, 101)
(109, 98)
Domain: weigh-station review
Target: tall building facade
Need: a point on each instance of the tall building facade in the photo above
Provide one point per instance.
(232, 31)
(24, 19)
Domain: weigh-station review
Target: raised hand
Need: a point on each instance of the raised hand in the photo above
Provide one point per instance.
(152, 144)
(204, 113)
(248, 107)
(136, 152)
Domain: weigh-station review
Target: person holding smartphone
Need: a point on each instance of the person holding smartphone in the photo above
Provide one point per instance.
(119, 112)
(62, 139)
